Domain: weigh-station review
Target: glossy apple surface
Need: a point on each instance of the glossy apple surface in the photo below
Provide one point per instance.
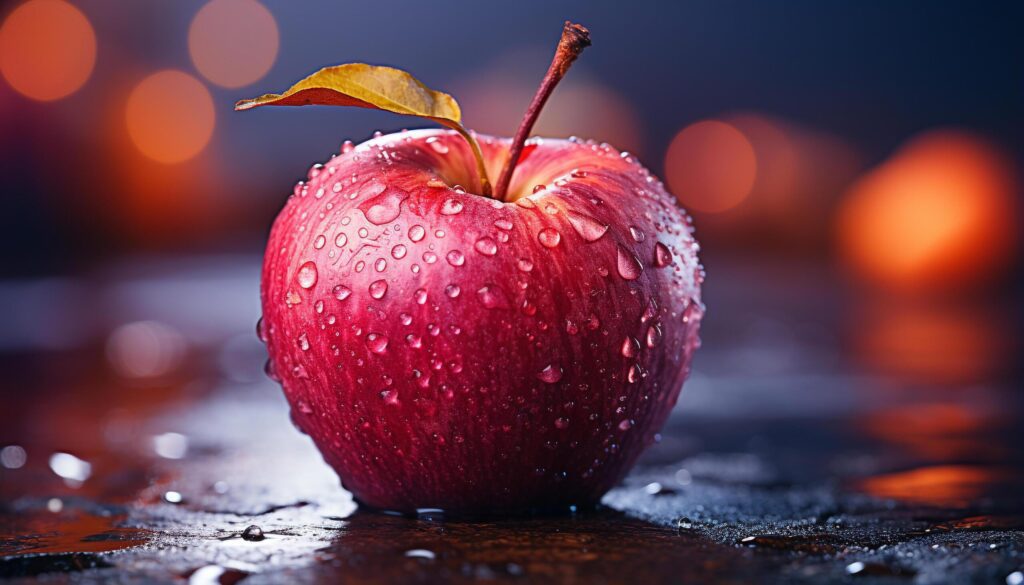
(446, 350)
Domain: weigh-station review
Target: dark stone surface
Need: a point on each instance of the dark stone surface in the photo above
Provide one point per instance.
(788, 460)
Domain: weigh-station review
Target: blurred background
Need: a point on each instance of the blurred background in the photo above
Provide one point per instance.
(854, 171)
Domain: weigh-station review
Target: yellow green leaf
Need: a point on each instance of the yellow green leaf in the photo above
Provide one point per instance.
(374, 87)
(365, 86)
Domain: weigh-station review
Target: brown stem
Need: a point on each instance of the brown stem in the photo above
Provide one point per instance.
(574, 39)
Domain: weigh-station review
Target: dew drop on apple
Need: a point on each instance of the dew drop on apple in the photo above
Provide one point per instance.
(456, 258)
(376, 342)
(307, 275)
(549, 237)
(551, 374)
(630, 346)
(452, 290)
(662, 255)
(405, 319)
(625, 425)
(413, 341)
(378, 289)
(578, 174)
(526, 203)
(318, 306)
(261, 331)
(385, 207)
(587, 227)
(429, 257)
(398, 252)
(486, 246)
(303, 342)
(503, 224)
(340, 240)
(571, 328)
(539, 188)
(654, 335)
(342, 292)
(363, 232)
(633, 375)
(417, 232)
(561, 423)
(451, 207)
(271, 371)
(380, 265)
(492, 297)
(319, 242)
(638, 235)
(420, 296)
(437, 146)
(524, 265)
(628, 264)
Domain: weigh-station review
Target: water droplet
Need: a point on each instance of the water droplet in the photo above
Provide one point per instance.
(429, 257)
(630, 346)
(385, 207)
(503, 224)
(486, 246)
(306, 275)
(634, 374)
(578, 174)
(398, 252)
(587, 227)
(551, 374)
(628, 264)
(526, 203)
(417, 232)
(451, 207)
(303, 342)
(653, 335)
(261, 331)
(376, 342)
(549, 237)
(625, 425)
(271, 371)
(452, 290)
(638, 235)
(414, 341)
(561, 423)
(456, 258)
(341, 292)
(378, 289)
(380, 265)
(252, 533)
(662, 255)
(571, 327)
(318, 306)
(363, 232)
(340, 240)
(319, 242)
(539, 188)
(437, 146)
(420, 296)
(492, 297)
(525, 265)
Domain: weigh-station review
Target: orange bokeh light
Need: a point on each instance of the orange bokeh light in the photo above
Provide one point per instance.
(170, 116)
(941, 485)
(939, 214)
(233, 42)
(47, 49)
(710, 166)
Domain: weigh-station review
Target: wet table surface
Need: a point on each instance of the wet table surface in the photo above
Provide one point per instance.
(821, 438)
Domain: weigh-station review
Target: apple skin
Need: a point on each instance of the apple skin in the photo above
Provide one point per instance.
(446, 350)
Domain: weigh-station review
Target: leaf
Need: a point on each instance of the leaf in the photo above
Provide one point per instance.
(365, 86)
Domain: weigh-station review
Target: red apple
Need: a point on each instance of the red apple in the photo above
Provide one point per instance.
(448, 350)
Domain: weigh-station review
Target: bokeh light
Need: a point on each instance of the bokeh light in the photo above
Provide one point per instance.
(170, 116)
(938, 215)
(233, 42)
(47, 49)
(710, 166)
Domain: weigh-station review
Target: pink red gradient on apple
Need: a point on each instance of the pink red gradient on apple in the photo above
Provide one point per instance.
(447, 350)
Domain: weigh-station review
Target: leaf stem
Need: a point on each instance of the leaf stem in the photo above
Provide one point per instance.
(481, 168)
(574, 39)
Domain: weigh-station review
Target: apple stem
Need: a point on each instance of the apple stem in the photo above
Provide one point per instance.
(574, 39)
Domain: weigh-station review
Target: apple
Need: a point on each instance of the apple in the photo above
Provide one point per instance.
(481, 355)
